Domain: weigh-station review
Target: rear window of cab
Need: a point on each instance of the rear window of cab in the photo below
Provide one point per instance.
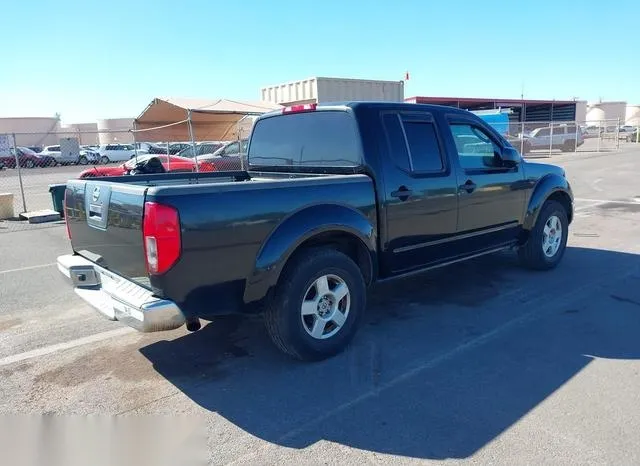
(306, 139)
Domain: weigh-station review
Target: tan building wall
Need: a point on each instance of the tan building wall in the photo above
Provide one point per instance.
(85, 133)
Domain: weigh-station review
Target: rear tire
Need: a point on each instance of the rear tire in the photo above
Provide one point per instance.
(318, 286)
(569, 146)
(547, 240)
(104, 160)
(83, 160)
(29, 164)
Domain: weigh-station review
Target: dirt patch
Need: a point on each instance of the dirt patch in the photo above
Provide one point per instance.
(196, 356)
(124, 363)
(6, 324)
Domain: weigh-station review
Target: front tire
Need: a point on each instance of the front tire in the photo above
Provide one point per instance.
(318, 305)
(104, 160)
(29, 164)
(83, 160)
(548, 239)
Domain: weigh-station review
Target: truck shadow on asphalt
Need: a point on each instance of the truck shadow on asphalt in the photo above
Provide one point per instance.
(445, 363)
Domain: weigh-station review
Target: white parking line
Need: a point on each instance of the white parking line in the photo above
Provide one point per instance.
(64, 346)
(32, 267)
(605, 201)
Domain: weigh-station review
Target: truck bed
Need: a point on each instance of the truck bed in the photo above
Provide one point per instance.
(225, 218)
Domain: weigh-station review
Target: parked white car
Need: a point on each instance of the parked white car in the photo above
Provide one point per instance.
(68, 154)
(117, 152)
(52, 151)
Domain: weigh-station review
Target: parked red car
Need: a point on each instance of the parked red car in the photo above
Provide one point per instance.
(27, 158)
(171, 163)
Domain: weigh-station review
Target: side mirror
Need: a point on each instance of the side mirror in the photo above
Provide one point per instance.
(510, 157)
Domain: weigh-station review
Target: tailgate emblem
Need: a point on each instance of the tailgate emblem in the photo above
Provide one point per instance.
(96, 194)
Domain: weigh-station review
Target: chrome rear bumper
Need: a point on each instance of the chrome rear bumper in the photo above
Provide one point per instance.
(119, 298)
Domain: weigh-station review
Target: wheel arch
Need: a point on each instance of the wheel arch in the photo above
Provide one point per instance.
(327, 225)
(550, 187)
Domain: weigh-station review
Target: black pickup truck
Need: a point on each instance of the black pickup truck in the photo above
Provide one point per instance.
(337, 197)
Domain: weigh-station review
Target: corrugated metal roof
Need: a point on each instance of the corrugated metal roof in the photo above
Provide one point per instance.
(478, 100)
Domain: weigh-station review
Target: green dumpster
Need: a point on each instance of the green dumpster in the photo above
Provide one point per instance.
(57, 197)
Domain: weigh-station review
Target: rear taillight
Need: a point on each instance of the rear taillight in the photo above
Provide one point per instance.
(161, 234)
(66, 214)
(300, 108)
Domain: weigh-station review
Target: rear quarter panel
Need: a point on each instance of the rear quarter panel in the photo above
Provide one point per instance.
(224, 228)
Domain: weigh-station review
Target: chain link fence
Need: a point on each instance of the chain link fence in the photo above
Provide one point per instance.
(546, 138)
(29, 170)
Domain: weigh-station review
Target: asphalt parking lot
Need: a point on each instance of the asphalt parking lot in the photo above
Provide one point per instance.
(482, 362)
(36, 183)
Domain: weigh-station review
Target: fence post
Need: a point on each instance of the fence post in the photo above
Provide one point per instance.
(15, 154)
(599, 135)
(193, 142)
(575, 142)
(135, 144)
(550, 137)
(168, 158)
(618, 134)
(522, 139)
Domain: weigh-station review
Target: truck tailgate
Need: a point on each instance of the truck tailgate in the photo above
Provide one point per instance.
(105, 224)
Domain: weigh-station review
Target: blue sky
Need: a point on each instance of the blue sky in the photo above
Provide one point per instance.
(90, 59)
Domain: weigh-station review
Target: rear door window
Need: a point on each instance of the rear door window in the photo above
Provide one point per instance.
(423, 146)
(310, 139)
(413, 142)
(396, 141)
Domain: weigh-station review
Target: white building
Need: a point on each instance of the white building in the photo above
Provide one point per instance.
(319, 89)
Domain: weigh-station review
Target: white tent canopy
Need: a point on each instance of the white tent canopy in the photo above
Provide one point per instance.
(168, 119)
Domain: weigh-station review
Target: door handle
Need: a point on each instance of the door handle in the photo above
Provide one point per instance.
(403, 193)
(468, 187)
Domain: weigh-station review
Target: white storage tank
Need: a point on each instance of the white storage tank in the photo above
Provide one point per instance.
(632, 115)
(611, 111)
(116, 130)
(319, 89)
(595, 115)
(32, 131)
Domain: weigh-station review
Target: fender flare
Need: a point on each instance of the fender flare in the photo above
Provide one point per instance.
(298, 228)
(551, 185)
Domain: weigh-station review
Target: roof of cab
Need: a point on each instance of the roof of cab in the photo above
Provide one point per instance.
(375, 105)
